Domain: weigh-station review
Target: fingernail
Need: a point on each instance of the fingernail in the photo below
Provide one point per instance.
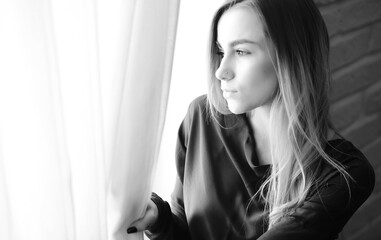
(132, 230)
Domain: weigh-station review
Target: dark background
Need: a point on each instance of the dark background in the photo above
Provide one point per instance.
(355, 32)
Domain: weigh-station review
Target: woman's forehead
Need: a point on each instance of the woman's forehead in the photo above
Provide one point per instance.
(240, 23)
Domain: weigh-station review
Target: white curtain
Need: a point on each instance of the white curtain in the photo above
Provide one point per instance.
(83, 92)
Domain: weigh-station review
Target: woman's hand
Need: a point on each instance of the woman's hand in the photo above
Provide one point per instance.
(149, 219)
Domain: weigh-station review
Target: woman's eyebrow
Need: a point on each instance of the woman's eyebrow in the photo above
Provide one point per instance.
(218, 45)
(242, 41)
(238, 42)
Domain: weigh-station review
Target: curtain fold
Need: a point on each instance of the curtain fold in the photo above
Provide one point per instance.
(83, 92)
(141, 115)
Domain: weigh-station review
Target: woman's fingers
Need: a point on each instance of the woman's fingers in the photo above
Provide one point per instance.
(132, 230)
(146, 221)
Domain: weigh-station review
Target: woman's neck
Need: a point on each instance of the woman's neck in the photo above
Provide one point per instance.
(259, 119)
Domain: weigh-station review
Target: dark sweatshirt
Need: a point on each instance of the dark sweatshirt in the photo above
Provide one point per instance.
(219, 174)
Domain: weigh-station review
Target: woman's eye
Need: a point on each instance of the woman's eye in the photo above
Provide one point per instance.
(241, 52)
(220, 53)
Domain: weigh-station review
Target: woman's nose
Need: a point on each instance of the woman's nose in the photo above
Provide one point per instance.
(224, 73)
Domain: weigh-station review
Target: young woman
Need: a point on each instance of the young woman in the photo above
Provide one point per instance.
(257, 157)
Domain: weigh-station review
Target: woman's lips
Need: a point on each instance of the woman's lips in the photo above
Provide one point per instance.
(228, 93)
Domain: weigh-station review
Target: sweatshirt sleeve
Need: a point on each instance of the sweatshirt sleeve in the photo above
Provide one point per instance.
(325, 213)
(172, 223)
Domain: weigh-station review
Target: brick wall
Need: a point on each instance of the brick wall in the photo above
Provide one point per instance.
(355, 32)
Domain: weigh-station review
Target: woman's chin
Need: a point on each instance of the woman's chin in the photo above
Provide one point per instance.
(236, 109)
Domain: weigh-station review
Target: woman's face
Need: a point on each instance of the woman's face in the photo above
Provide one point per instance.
(248, 78)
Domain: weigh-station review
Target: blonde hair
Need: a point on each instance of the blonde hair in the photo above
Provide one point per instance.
(299, 115)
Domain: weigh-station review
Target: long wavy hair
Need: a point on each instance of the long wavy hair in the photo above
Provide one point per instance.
(299, 115)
